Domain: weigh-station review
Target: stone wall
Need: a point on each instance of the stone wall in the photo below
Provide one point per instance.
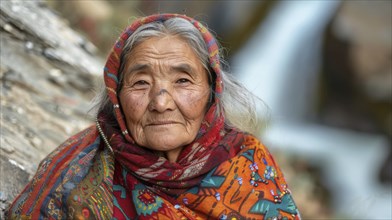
(47, 74)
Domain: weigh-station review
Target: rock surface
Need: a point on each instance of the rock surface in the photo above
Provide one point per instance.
(47, 74)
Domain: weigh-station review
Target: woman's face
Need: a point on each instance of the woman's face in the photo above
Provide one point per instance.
(164, 94)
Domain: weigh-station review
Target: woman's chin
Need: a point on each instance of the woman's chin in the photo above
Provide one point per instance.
(164, 143)
(166, 139)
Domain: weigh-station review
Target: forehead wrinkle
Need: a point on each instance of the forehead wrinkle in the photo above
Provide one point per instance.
(143, 58)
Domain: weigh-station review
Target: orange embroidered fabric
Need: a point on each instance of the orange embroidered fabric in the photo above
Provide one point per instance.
(247, 186)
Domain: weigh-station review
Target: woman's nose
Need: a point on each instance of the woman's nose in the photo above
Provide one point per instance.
(161, 101)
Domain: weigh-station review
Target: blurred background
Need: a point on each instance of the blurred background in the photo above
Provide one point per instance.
(323, 67)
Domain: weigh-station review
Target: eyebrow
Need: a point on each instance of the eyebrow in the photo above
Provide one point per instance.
(184, 68)
(138, 67)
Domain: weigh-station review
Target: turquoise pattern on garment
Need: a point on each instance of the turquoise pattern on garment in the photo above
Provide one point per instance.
(210, 181)
(249, 155)
(114, 77)
(146, 202)
(271, 210)
(120, 188)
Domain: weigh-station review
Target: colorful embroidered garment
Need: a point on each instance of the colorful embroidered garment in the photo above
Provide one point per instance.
(101, 173)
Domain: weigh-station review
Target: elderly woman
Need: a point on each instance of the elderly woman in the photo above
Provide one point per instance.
(170, 141)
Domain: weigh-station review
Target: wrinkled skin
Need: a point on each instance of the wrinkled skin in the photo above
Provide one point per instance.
(164, 95)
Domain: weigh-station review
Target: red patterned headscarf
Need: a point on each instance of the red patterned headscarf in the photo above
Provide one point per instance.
(111, 70)
(213, 145)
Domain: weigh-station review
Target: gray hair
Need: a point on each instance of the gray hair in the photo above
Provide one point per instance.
(237, 103)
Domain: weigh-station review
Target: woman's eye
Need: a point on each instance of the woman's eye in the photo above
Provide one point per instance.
(183, 80)
(140, 82)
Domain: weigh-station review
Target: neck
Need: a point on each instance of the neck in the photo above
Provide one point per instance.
(172, 155)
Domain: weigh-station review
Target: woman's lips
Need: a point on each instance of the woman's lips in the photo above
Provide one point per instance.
(157, 123)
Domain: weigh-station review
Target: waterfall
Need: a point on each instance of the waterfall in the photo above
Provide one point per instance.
(280, 64)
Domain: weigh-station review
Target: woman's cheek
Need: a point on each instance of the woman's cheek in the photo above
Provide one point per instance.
(192, 103)
(134, 106)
